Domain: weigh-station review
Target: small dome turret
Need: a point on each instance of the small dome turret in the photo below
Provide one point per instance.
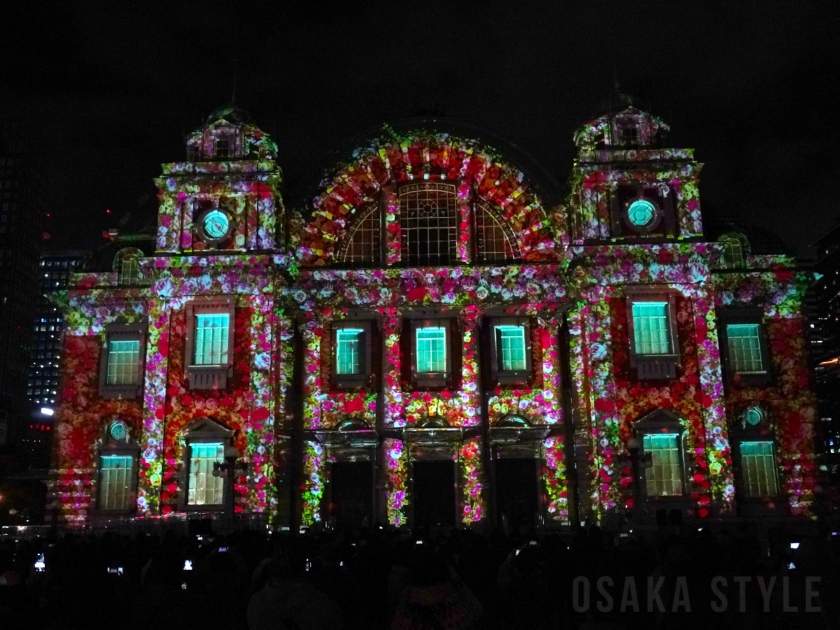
(620, 125)
(230, 134)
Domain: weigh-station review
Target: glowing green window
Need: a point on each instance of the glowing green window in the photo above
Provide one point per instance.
(745, 348)
(651, 333)
(123, 362)
(641, 213)
(204, 488)
(349, 351)
(663, 478)
(758, 468)
(114, 482)
(431, 350)
(211, 339)
(510, 346)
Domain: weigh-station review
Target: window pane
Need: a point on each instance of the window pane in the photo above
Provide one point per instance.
(429, 220)
(758, 467)
(205, 489)
(664, 475)
(745, 348)
(114, 480)
(348, 351)
(651, 334)
(431, 350)
(510, 342)
(211, 339)
(123, 362)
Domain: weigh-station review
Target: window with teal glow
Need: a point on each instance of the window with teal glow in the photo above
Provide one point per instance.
(510, 346)
(651, 332)
(114, 482)
(204, 488)
(431, 350)
(744, 342)
(216, 224)
(349, 351)
(663, 477)
(123, 362)
(758, 467)
(211, 339)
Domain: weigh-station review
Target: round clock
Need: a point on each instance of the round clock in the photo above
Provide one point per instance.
(753, 416)
(117, 430)
(216, 225)
(642, 213)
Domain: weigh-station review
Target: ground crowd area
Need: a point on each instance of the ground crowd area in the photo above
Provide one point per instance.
(437, 580)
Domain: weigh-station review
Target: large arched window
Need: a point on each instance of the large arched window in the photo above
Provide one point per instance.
(127, 265)
(494, 239)
(361, 246)
(428, 223)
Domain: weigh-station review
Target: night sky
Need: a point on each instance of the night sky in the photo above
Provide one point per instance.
(115, 86)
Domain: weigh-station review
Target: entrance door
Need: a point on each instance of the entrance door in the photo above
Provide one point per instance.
(352, 494)
(516, 490)
(434, 493)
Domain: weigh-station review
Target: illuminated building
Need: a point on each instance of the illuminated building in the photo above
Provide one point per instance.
(437, 339)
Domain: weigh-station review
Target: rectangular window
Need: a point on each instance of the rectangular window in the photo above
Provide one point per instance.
(511, 348)
(431, 350)
(663, 477)
(222, 147)
(204, 488)
(744, 342)
(349, 351)
(114, 482)
(211, 339)
(123, 362)
(758, 467)
(651, 332)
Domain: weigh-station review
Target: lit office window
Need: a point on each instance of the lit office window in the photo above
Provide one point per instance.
(745, 348)
(431, 350)
(211, 339)
(123, 362)
(349, 351)
(664, 475)
(204, 488)
(758, 467)
(651, 333)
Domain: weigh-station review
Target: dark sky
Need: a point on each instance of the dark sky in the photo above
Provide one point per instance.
(115, 86)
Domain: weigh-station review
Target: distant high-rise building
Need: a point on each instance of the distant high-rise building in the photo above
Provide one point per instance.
(53, 274)
(22, 210)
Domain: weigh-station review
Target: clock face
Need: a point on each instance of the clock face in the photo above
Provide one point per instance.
(641, 213)
(216, 224)
(118, 431)
(754, 416)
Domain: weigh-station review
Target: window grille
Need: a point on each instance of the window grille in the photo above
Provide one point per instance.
(431, 350)
(733, 252)
(651, 334)
(664, 476)
(222, 147)
(745, 348)
(348, 349)
(511, 346)
(758, 467)
(211, 339)
(428, 223)
(495, 240)
(123, 362)
(361, 246)
(204, 488)
(114, 480)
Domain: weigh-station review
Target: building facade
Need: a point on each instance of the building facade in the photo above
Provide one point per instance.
(435, 342)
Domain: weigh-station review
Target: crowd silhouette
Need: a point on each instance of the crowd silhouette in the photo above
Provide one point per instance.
(444, 580)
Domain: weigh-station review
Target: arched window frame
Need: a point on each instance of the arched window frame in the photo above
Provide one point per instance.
(127, 267)
(735, 250)
(367, 222)
(486, 217)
